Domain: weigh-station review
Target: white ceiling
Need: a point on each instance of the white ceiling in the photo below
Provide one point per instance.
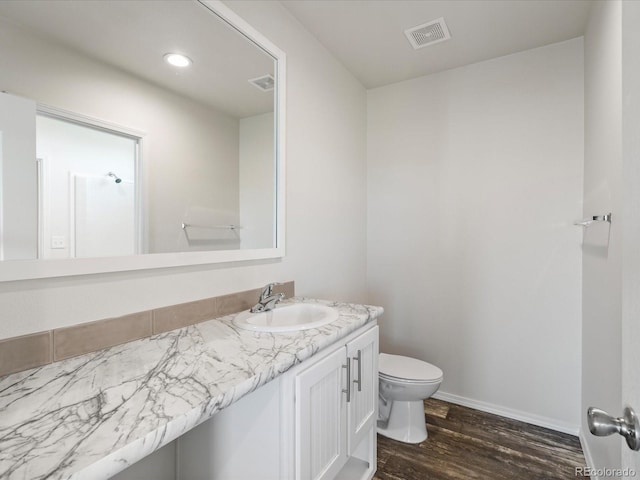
(367, 36)
(134, 35)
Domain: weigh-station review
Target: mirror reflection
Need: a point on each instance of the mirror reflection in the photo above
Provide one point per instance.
(108, 149)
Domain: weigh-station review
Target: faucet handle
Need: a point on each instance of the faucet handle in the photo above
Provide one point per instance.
(267, 291)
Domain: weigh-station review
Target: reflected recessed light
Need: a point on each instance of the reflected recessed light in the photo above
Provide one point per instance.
(177, 60)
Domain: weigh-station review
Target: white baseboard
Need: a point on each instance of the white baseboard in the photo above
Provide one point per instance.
(587, 455)
(538, 420)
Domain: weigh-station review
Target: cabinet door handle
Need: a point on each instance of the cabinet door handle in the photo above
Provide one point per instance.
(358, 381)
(348, 389)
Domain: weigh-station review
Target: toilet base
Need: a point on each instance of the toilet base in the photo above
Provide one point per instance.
(406, 422)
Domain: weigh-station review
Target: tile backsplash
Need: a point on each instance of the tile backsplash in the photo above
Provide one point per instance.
(29, 351)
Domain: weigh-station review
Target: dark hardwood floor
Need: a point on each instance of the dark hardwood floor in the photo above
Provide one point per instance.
(466, 444)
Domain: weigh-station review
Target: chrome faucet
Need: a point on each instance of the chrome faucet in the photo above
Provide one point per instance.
(268, 299)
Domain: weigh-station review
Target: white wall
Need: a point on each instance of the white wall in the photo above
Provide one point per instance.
(474, 180)
(185, 141)
(326, 206)
(602, 255)
(18, 174)
(257, 180)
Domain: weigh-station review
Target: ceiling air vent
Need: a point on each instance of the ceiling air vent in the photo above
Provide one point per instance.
(428, 33)
(264, 83)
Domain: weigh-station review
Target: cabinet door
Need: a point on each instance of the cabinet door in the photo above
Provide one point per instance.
(321, 417)
(363, 408)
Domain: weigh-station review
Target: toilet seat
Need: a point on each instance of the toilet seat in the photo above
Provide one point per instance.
(407, 369)
(408, 382)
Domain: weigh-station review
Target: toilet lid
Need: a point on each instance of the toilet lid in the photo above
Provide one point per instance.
(408, 368)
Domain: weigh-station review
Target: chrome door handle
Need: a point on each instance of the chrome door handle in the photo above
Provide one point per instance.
(602, 424)
(348, 389)
(358, 381)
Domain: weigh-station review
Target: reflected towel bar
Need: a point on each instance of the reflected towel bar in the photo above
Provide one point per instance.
(228, 227)
(587, 222)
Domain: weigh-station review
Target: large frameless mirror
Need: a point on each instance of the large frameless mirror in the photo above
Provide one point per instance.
(136, 134)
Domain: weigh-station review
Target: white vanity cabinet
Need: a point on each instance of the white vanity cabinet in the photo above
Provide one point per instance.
(335, 412)
(363, 407)
(301, 426)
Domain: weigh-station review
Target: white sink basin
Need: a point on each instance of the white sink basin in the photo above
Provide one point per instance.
(287, 318)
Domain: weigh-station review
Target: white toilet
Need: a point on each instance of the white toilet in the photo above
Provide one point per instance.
(404, 383)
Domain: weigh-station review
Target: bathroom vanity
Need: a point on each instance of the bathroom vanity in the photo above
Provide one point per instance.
(267, 401)
(316, 421)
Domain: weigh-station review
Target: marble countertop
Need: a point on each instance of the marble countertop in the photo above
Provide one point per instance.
(92, 416)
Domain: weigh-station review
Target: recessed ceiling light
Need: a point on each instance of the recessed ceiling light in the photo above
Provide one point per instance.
(177, 60)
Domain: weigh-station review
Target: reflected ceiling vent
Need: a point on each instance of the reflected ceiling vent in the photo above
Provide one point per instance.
(264, 83)
(428, 33)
